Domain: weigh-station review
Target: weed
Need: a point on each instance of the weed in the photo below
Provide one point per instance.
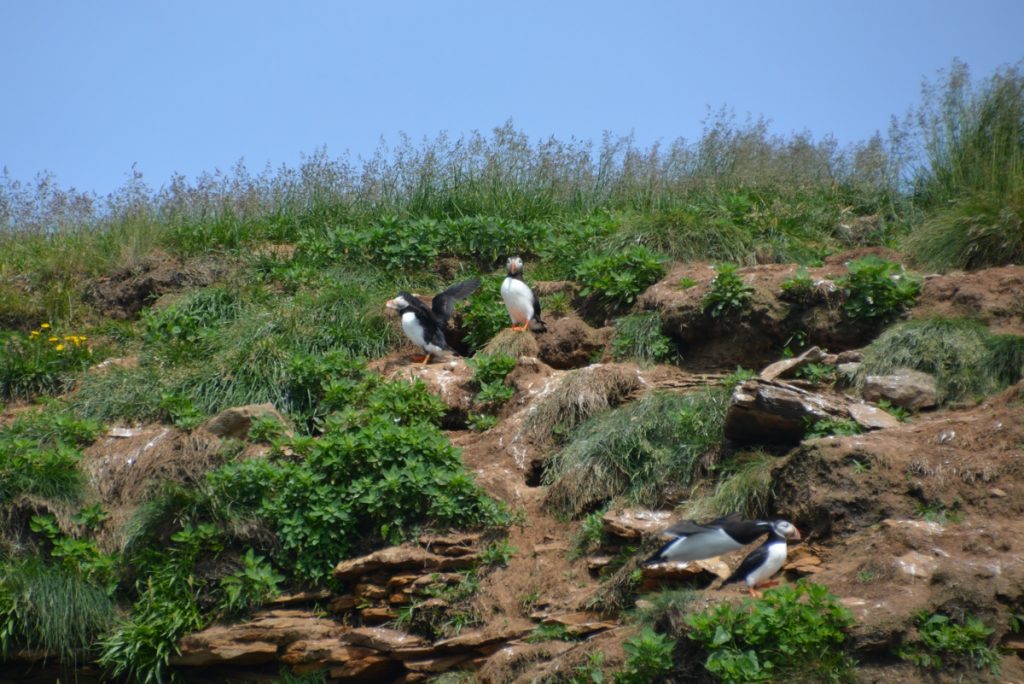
(556, 304)
(942, 643)
(686, 283)
(794, 633)
(251, 586)
(865, 576)
(728, 293)
(484, 315)
(481, 422)
(497, 554)
(77, 556)
(265, 429)
(937, 512)
(648, 657)
(664, 610)
(589, 536)
(552, 632)
(877, 290)
(180, 409)
(39, 456)
(639, 337)
(898, 412)
(618, 278)
(818, 373)
(827, 427)
(489, 372)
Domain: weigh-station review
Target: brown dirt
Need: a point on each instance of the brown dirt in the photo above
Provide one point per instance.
(994, 296)
(122, 295)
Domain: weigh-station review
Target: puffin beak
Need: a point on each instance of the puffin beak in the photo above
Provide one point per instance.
(796, 534)
(391, 304)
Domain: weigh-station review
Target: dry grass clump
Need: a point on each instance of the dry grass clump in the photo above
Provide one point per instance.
(746, 487)
(514, 344)
(580, 394)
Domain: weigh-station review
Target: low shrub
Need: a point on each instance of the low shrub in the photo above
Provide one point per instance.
(877, 290)
(39, 455)
(618, 278)
(489, 373)
(648, 657)
(484, 315)
(795, 633)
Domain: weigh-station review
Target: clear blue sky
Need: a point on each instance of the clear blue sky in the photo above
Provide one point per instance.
(89, 88)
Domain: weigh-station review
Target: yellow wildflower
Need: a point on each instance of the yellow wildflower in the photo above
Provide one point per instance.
(59, 347)
(34, 333)
(44, 326)
(53, 339)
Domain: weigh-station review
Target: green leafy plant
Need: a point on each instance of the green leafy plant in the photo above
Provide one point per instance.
(80, 556)
(827, 427)
(618, 278)
(481, 422)
(648, 657)
(489, 373)
(898, 412)
(589, 536)
(182, 412)
(252, 585)
(728, 293)
(686, 283)
(552, 632)
(497, 553)
(818, 373)
(794, 633)
(877, 290)
(484, 315)
(265, 429)
(942, 643)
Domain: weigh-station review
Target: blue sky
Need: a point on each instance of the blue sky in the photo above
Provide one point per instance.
(91, 88)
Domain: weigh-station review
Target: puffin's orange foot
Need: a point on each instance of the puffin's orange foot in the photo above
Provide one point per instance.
(426, 360)
(420, 359)
(772, 583)
(754, 593)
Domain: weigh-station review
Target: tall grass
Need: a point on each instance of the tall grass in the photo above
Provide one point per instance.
(973, 180)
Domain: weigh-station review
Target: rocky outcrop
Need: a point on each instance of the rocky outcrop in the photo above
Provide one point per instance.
(235, 422)
(907, 388)
(570, 343)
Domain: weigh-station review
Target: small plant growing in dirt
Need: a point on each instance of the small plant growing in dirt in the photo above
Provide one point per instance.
(490, 371)
(481, 422)
(639, 337)
(617, 279)
(794, 633)
(588, 538)
(555, 304)
(942, 643)
(265, 430)
(937, 512)
(648, 657)
(497, 554)
(686, 283)
(484, 315)
(877, 290)
(553, 632)
(818, 373)
(180, 409)
(252, 585)
(728, 293)
(838, 427)
(898, 412)
(798, 288)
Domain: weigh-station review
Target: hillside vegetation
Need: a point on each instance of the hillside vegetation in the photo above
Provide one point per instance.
(165, 307)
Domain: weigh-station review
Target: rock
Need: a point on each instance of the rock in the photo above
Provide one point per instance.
(369, 592)
(374, 666)
(850, 356)
(395, 559)
(483, 640)
(634, 523)
(774, 412)
(847, 371)
(342, 604)
(377, 614)
(871, 417)
(780, 368)
(917, 565)
(254, 642)
(235, 422)
(580, 623)
(381, 639)
(568, 343)
(454, 544)
(675, 571)
(598, 563)
(438, 664)
(910, 389)
(299, 598)
(322, 653)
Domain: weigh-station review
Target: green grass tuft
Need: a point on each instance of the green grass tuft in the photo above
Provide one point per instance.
(744, 485)
(647, 452)
(965, 359)
(639, 337)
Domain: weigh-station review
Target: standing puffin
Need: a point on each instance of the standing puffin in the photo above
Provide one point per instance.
(521, 302)
(766, 560)
(696, 541)
(425, 327)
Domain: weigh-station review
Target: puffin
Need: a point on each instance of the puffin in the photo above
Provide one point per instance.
(696, 541)
(425, 327)
(766, 560)
(521, 302)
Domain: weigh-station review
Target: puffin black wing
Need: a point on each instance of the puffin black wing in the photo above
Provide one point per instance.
(541, 326)
(753, 561)
(444, 302)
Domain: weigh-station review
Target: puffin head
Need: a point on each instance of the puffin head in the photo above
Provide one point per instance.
(786, 529)
(515, 265)
(398, 303)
